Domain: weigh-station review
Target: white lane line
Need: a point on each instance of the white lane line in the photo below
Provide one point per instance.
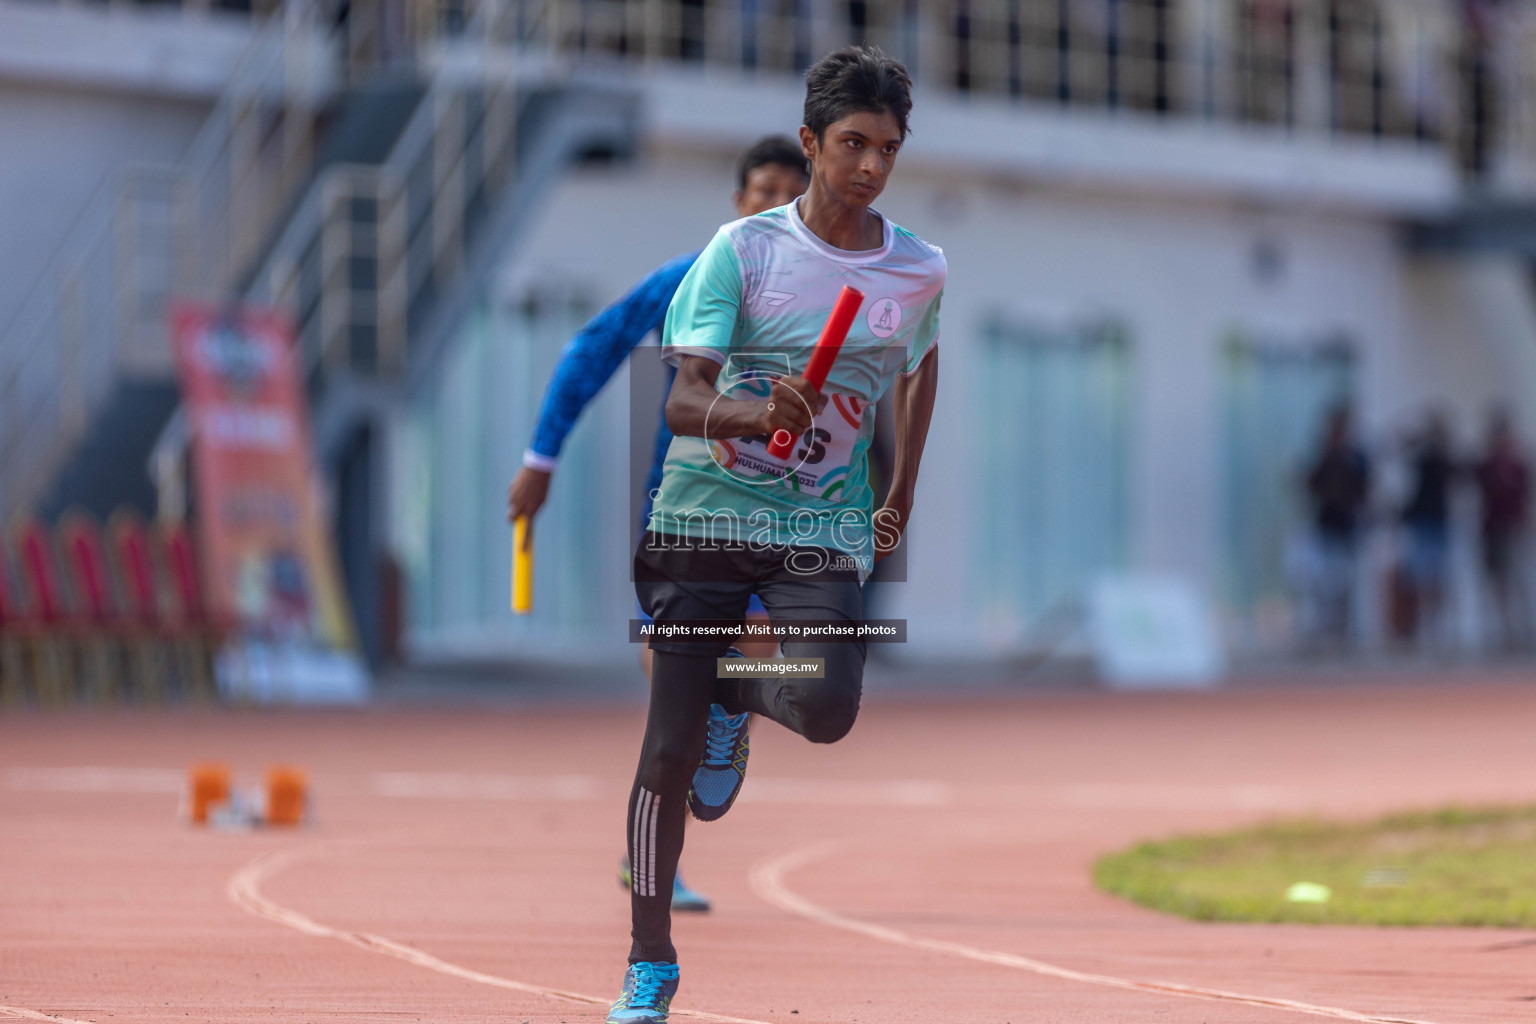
(244, 890)
(18, 1012)
(455, 786)
(451, 786)
(97, 780)
(759, 789)
(1169, 796)
(767, 881)
(893, 792)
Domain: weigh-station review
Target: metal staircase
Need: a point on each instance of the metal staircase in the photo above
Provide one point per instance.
(381, 265)
(372, 205)
(304, 193)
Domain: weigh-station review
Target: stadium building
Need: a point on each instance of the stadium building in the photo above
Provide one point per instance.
(1178, 232)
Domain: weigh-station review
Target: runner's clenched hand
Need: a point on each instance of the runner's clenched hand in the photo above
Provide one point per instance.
(526, 495)
(787, 405)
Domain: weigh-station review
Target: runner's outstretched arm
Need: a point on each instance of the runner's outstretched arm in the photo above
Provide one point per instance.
(913, 395)
(589, 360)
(695, 409)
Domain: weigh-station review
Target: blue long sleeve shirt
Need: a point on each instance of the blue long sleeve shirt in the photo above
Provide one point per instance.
(592, 357)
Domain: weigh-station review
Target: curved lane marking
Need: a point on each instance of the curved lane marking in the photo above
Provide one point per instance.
(244, 891)
(16, 1011)
(767, 880)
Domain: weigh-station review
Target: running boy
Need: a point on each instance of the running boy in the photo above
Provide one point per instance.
(730, 521)
(770, 173)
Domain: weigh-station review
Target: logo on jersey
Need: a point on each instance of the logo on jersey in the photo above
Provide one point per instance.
(884, 317)
(723, 452)
(776, 298)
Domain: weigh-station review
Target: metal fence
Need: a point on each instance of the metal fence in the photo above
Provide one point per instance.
(370, 247)
(1437, 70)
(1427, 70)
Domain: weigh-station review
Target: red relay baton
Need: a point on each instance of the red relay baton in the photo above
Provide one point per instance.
(823, 356)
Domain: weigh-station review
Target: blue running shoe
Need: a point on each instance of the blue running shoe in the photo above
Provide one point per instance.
(648, 991)
(719, 776)
(717, 780)
(686, 899)
(683, 898)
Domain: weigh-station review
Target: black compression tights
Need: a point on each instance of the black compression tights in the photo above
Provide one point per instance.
(682, 688)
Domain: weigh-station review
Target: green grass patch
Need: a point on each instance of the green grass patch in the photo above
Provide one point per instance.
(1448, 867)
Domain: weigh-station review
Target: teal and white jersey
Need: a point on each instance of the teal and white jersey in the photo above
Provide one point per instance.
(755, 302)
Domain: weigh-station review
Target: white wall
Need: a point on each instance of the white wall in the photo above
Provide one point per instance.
(1181, 274)
(61, 145)
(1114, 149)
(1473, 326)
(84, 93)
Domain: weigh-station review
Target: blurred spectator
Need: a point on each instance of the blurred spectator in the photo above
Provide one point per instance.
(1338, 485)
(1503, 482)
(1427, 516)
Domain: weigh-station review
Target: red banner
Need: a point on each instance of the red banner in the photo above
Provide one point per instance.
(269, 565)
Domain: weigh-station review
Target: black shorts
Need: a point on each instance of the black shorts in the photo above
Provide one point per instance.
(676, 579)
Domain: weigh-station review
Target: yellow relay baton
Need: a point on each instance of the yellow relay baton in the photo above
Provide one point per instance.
(522, 568)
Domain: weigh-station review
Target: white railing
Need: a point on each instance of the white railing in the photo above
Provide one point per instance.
(369, 245)
(1408, 69)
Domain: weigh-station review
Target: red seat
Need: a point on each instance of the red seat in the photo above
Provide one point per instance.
(187, 584)
(104, 634)
(86, 562)
(129, 545)
(14, 629)
(153, 641)
(48, 620)
(11, 611)
(39, 570)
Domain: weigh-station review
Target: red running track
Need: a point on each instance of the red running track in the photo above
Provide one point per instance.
(931, 867)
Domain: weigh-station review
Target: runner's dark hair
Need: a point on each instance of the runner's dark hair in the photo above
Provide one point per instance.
(771, 150)
(855, 79)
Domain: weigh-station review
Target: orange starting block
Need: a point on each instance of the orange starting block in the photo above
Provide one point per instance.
(212, 800)
(207, 789)
(287, 795)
